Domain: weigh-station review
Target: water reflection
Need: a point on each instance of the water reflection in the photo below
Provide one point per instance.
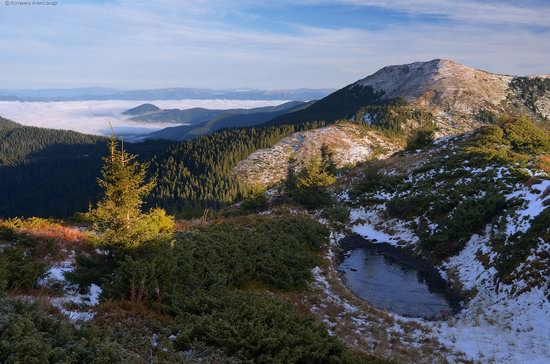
(392, 285)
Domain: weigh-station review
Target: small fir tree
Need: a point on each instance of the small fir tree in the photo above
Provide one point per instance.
(118, 220)
(315, 175)
(309, 186)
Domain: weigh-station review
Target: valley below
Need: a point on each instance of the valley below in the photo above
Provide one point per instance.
(93, 116)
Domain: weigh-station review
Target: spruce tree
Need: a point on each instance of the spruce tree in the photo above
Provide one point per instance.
(118, 220)
(309, 186)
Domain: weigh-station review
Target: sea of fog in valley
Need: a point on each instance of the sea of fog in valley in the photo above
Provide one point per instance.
(93, 117)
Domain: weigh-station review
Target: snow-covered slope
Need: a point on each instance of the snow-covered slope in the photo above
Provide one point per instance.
(506, 288)
(457, 98)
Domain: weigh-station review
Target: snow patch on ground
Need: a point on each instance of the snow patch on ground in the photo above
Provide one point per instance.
(56, 273)
(501, 323)
(494, 324)
(73, 304)
(370, 224)
(533, 205)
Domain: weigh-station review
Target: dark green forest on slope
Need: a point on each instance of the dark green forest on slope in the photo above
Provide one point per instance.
(52, 173)
(20, 143)
(46, 172)
(342, 104)
(194, 175)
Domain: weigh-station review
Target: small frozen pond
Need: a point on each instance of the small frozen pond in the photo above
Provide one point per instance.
(394, 285)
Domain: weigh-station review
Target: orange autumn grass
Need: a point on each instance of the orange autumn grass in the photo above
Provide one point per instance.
(46, 229)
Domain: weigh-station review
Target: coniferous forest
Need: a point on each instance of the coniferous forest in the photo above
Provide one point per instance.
(52, 173)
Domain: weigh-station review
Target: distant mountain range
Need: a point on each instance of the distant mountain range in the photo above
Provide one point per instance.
(99, 93)
(454, 97)
(200, 121)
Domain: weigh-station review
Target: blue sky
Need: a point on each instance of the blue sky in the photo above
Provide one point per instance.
(131, 44)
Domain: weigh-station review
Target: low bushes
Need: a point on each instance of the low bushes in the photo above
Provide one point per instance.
(421, 138)
(23, 258)
(250, 325)
(212, 282)
(276, 252)
(509, 141)
(519, 246)
(30, 334)
(456, 228)
(373, 181)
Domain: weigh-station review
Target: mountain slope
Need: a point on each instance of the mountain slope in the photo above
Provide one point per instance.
(454, 97)
(205, 121)
(342, 104)
(477, 207)
(47, 172)
(6, 125)
(441, 84)
(20, 143)
(142, 109)
(191, 116)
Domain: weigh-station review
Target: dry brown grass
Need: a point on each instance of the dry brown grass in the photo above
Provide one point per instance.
(186, 225)
(67, 236)
(544, 163)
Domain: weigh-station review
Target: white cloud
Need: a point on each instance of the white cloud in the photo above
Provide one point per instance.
(93, 117)
(482, 11)
(160, 43)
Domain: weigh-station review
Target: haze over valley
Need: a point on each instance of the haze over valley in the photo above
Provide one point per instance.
(92, 117)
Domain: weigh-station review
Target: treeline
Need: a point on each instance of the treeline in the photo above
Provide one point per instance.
(195, 174)
(390, 115)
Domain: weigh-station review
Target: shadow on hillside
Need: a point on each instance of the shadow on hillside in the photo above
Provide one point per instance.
(60, 179)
